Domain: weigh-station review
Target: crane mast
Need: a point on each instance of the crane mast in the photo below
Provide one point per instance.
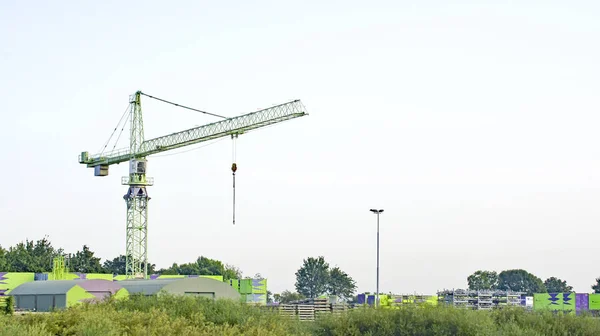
(136, 198)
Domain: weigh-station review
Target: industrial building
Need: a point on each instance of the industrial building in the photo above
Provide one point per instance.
(44, 296)
(197, 286)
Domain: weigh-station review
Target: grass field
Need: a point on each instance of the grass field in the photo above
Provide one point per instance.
(197, 316)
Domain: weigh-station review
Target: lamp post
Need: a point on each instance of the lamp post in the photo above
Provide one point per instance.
(377, 212)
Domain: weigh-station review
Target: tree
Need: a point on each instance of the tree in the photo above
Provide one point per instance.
(231, 272)
(269, 296)
(556, 285)
(117, 266)
(84, 262)
(483, 280)
(340, 284)
(519, 280)
(312, 278)
(32, 257)
(287, 296)
(204, 266)
(3, 261)
(596, 286)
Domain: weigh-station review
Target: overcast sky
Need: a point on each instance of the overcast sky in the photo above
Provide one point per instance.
(474, 125)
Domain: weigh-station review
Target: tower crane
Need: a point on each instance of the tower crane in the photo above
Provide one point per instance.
(139, 149)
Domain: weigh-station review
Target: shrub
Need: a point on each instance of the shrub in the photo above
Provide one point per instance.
(171, 315)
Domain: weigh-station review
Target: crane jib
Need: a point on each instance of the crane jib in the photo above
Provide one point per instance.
(236, 125)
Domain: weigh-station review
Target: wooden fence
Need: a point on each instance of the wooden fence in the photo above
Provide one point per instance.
(309, 309)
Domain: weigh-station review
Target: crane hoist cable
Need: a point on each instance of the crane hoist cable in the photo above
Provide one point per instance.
(185, 107)
(115, 130)
(234, 169)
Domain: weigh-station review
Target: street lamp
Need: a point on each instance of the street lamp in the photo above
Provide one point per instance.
(377, 212)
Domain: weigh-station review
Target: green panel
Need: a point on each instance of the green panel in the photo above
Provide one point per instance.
(119, 277)
(235, 283)
(68, 276)
(171, 276)
(76, 295)
(121, 294)
(548, 301)
(214, 277)
(94, 276)
(568, 301)
(10, 281)
(246, 286)
(594, 301)
(260, 286)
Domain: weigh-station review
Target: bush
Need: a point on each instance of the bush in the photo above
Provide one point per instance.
(170, 315)
(9, 307)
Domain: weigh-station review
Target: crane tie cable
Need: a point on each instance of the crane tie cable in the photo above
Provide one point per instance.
(185, 107)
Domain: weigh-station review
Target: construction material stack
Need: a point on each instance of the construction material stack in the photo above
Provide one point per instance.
(253, 291)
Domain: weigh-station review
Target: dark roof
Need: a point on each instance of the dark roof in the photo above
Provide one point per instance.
(45, 287)
(147, 287)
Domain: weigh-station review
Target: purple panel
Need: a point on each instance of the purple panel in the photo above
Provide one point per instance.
(81, 276)
(582, 302)
(360, 298)
(154, 276)
(371, 299)
(2, 274)
(193, 276)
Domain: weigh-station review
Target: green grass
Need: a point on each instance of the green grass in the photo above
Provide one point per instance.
(197, 316)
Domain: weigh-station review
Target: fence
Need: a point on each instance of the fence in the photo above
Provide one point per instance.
(309, 309)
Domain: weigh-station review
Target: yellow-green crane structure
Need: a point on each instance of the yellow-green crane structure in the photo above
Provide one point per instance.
(136, 198)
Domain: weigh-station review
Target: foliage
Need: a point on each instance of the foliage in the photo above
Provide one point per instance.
(170, 315)
(37, 257)
(84, 262)
(429, 320)
(340, 284)
(519, 280)
(312, 278)
(596, 286)
(9, 305)
(118, 265)
(29, 256)
(556, 285)
(315, 278)
(287, 296)
(204, 266)
(483, 280)
(115, 266)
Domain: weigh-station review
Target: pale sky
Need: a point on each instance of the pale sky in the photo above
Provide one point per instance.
(474, 126)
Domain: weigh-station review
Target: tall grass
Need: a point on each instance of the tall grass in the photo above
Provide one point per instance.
(168, 315)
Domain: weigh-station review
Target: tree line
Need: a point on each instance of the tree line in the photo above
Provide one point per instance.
(520, 280)
(314, 278)
(37, 257)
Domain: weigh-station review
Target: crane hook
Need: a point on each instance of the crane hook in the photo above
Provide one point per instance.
(233, 170)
